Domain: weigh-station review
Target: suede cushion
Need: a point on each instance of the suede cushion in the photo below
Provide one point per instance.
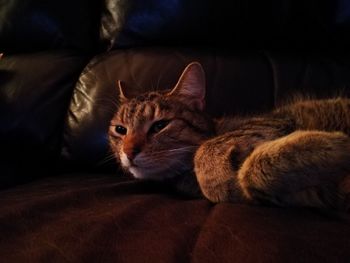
(103, 218)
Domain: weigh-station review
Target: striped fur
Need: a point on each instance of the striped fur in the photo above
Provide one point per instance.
(165, 153)
(297, 155)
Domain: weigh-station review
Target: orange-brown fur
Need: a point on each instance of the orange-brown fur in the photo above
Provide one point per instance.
(297, 155)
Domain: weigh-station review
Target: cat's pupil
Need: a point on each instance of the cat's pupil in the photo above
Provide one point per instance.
(120, 129)
(158, 126)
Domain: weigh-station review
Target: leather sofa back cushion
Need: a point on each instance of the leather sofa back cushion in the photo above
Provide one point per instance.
(277, 24)
(237, 82)
(35, 91)
(37, 25)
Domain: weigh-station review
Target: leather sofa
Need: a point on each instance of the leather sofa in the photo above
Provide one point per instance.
(64, 199)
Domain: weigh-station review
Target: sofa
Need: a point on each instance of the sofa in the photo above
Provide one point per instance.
(63, 198)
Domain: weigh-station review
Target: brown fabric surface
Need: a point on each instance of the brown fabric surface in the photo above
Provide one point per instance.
(102, 218)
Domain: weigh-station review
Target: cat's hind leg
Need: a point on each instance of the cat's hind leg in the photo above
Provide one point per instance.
(303, 168)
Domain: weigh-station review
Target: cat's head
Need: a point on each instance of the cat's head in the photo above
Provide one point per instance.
(155, 135)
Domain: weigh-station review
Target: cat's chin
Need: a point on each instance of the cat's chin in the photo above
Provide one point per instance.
(136, 173)
(145, 171)
(148, 174)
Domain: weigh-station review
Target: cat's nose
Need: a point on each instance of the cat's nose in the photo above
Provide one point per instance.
(132, 152)
(132, 145)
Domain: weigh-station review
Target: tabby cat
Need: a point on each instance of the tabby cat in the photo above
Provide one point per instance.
(297, 155)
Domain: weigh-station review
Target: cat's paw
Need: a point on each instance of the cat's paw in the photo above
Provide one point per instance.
(214, 171)
(300, 169)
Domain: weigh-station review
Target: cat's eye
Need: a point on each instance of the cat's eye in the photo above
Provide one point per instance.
(158, 126)
(120, 129)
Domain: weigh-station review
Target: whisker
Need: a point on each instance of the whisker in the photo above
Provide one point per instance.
(172, 154)
(107, 159)
(158, 81)
(183, 148)
(108, 105)
(164, 160)
(109, 100)
(176, 149)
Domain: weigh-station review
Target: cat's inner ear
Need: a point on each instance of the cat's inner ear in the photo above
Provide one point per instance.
(191, 85)
(122, 97)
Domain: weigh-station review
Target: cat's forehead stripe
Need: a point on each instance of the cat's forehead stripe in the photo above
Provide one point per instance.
(145, 108)
(126, 112)
(139, 110)
(122, 114)
(138, 116)
(149, 110)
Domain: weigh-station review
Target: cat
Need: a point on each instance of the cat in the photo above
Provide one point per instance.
(295, 155)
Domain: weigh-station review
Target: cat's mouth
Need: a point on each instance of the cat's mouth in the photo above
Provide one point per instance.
(156, 174)
(146, 168)
(135, 169)
(150, 171)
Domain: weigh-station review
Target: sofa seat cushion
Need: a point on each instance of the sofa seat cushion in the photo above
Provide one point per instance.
(106, 218)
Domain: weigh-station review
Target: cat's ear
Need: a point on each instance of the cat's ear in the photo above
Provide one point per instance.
(122, 97)
(191, 85)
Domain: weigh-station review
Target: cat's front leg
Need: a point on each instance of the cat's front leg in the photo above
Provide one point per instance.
(216, 164)
(305, 168)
